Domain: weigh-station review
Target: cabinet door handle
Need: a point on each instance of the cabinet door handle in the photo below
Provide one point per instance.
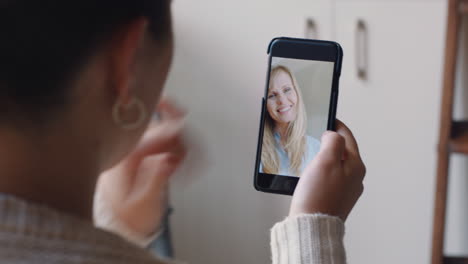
(311, 31)
(362, 50)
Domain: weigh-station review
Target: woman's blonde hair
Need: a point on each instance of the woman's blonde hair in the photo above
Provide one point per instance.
(295, 142)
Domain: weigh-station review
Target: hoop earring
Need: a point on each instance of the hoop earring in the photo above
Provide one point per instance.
(129, 125)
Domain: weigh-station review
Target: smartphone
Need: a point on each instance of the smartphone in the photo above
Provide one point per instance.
(299, 105)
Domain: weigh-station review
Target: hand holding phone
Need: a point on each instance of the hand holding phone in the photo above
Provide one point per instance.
(332, 183)
(299, 105)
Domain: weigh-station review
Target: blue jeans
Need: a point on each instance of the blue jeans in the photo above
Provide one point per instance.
(162, 246)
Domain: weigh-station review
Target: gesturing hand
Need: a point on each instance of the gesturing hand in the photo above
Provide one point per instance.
(332, 183)
(135, 191)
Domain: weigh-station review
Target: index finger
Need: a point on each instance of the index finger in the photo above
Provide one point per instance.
(350, 140)
(167, 109)
(158, 139)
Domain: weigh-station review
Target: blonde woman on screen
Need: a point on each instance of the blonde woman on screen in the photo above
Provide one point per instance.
(286, 148)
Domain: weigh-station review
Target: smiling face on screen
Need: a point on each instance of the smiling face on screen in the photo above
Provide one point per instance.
(282, 99)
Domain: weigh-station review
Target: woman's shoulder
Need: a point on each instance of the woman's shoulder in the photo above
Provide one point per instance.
(31, 232)
(313, 146)
(311, 141)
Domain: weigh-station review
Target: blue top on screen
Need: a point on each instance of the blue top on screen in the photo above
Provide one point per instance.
(313, 147)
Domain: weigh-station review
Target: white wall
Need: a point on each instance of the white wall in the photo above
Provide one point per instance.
(219, 74)
(316, 82)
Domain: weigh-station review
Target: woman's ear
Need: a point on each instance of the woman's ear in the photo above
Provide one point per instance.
(123, 52)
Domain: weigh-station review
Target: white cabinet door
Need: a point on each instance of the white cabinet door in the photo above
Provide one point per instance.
(393, 1)
(394, 115)
(219, 74)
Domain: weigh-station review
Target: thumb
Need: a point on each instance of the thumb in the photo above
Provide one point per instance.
(158, 139)
(156, 170)
(332, 147)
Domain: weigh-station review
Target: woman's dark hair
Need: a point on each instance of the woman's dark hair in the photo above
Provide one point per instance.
(43, 43)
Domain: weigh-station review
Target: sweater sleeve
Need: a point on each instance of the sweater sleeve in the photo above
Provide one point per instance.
(308, 239)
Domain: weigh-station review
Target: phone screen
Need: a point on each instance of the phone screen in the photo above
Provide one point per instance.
(296, 114)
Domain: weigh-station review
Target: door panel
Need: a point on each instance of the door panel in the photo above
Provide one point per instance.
(393, 1)
(394, 114)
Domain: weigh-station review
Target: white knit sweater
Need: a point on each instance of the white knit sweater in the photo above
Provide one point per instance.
(311, 239)
(32, 233)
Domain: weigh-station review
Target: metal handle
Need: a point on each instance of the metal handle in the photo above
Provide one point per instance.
(311, 31)
(362, 49)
